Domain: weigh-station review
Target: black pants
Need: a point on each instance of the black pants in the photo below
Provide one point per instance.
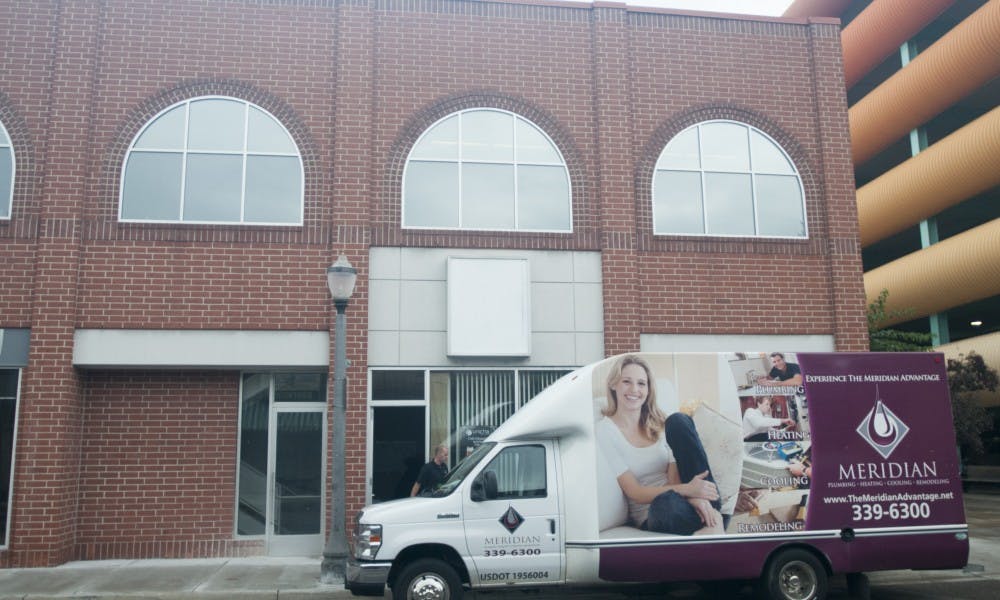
(670, 512)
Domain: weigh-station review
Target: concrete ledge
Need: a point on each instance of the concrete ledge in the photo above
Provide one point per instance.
(211, 349)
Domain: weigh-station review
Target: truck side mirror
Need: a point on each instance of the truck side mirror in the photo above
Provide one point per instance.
(484, 487)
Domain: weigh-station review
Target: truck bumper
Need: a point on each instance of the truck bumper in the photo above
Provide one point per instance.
(365, 574)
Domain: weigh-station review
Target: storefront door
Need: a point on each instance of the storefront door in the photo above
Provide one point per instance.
(296, 488)
(282, 462)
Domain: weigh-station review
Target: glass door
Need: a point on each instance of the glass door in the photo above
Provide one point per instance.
(296, 487)
(282, 461)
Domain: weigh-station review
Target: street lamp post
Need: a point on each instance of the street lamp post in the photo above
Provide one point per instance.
(340, 278)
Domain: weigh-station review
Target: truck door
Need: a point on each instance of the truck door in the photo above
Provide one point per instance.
(512, 522)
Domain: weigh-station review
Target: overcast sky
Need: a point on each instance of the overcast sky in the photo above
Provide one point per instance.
(753, 7)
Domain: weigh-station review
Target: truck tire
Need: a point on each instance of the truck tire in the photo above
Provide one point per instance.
(427, 579)
(794, 574)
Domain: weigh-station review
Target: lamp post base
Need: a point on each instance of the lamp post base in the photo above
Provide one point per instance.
(333, 568)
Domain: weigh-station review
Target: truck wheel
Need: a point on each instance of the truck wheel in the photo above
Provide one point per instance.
(427, 579)
(795, 574)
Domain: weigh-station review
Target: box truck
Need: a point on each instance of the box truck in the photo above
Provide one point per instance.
(721, 468)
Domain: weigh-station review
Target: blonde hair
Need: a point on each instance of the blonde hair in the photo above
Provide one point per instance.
(651, 418)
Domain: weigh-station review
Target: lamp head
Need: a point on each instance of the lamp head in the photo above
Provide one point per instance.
(340, 279)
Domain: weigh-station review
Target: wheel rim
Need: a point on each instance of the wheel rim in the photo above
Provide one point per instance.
(428, 586)
(797, 581)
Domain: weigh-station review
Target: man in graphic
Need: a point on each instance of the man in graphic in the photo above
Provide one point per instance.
(783, 374)
(433, 473)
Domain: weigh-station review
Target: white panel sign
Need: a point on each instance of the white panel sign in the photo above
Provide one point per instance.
(489, 308)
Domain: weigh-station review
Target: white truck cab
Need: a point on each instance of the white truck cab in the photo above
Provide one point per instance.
(846, 465)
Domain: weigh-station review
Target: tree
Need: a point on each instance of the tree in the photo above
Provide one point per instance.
(967, 375)
(881, 339)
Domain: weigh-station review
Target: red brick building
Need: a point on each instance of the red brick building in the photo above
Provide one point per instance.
(523, 188)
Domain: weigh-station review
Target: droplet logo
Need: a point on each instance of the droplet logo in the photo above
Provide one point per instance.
(882, 429)
(511, 519)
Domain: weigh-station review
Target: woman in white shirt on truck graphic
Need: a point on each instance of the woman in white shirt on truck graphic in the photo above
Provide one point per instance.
(659, 461)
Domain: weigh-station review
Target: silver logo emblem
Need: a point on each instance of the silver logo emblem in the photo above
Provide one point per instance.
(882, 429)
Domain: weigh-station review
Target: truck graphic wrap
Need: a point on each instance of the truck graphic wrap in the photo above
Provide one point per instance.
(751, 433)
(886, 451)
(800, 446)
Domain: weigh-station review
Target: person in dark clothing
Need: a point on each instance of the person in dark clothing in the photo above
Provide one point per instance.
(782, 373)
(433, 473)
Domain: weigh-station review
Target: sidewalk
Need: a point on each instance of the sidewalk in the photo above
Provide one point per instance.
(265, 578)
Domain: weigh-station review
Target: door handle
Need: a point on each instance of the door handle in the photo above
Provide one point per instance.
(552, 526)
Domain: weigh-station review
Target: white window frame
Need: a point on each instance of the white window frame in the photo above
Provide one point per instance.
(514, 163)
(244, 153)
(309, 407)
(9, 143)
(752, 172)
(426, 403)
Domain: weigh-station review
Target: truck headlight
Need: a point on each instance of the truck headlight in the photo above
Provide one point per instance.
(367, 540)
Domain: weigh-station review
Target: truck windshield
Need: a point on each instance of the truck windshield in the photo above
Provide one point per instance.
(462, 469)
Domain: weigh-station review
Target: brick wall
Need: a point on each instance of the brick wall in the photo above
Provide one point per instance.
(356, 82)
(158, 466)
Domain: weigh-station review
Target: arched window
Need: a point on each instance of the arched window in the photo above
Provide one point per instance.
(723, 178)
(213, 160)
(6, 174)
(486, 168)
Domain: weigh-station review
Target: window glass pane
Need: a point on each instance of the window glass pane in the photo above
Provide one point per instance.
(217, 124)
(487, 135)
(6, 180)
(8, 414)
(724, 147)
(273, 190)
(152, 186)
(430, 197)
(533, 146)
(533, 382)
(729, 204)
(767, 156)
(487, 196)
(8, 384)
(677, 204)
(681, 152)
(520, 472)
(213, 188)
(300, 387)
(166, 132)
(473, 403)
(252, 497)
(440, 142)
(779, 206)
(397, 385)
(398, 450)
(4, 138)
(543, 198)
(298, 473)
(265, 134)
